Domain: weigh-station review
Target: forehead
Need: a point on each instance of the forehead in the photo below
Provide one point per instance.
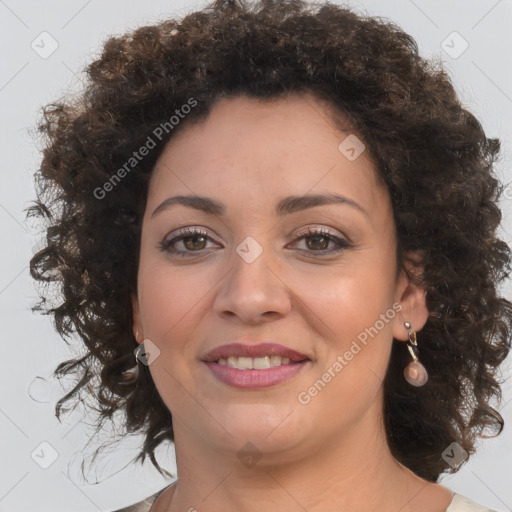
(251, 149)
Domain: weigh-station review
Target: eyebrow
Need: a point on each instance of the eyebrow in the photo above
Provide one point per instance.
(285, 206)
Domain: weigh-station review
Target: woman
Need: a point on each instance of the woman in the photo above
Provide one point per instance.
(284, 218)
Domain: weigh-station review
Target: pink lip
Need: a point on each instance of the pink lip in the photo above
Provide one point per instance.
(260, 350)
(256, 378)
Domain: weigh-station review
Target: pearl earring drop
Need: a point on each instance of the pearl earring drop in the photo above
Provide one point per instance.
(415, 373)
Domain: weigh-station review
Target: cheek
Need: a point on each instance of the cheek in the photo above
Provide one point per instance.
(356, 312)
(170, 300)
(348, 299)
(169, 295)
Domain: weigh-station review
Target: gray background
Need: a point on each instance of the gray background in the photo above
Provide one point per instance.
(32, 349)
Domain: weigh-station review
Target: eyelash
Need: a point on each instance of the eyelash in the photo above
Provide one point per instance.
(309, 232)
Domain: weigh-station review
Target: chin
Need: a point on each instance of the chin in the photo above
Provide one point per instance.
(268, 433)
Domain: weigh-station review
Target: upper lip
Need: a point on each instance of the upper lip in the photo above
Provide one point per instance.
(260, 350)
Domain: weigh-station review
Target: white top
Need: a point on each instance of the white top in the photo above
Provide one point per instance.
(459, 503)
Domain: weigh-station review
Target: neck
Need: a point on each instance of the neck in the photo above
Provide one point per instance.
(356, 472)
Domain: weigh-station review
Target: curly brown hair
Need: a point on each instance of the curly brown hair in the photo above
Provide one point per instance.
(431, 152)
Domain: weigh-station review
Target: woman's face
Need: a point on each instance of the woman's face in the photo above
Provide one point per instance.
(259, 276)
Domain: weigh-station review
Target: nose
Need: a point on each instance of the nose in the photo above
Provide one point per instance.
(253, 290)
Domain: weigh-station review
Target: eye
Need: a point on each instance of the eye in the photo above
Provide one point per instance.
(193, 240)
(320, 239)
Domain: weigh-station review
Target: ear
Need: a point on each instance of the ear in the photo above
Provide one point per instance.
(138, 333)
(412, 298)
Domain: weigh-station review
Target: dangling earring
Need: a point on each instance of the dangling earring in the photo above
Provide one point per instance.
(414, 373)
(131, 374)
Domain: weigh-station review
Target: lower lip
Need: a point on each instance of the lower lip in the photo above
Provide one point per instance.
(254, 379)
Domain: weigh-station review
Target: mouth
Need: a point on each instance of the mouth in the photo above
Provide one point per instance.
(246, 366)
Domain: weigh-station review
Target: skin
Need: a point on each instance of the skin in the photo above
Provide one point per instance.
(330, 454)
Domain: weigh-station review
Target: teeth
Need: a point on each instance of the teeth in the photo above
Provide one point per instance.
(253, 363)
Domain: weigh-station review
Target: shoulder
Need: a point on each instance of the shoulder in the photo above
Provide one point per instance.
(461, 503)
(142, 506)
